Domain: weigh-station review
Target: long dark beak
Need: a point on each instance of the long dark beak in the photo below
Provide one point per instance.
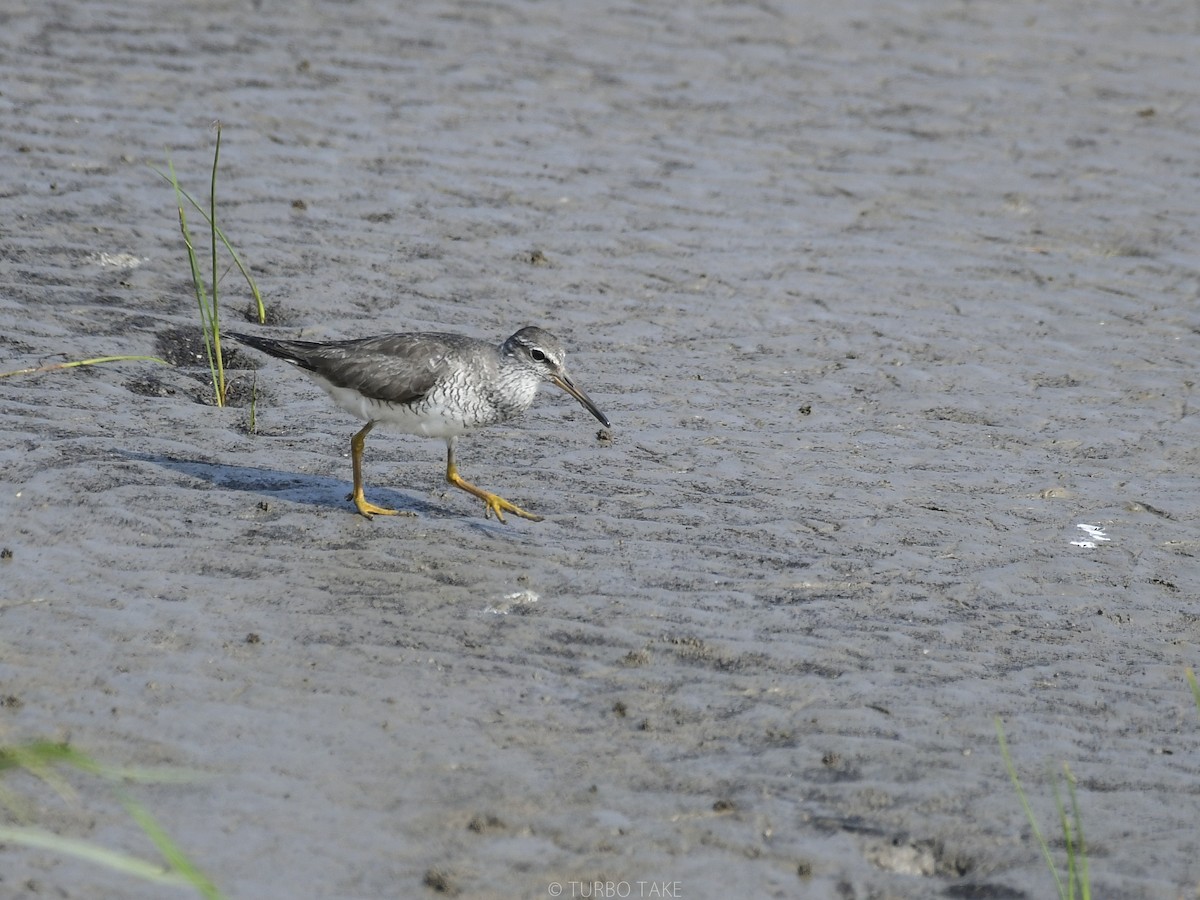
(567, 385)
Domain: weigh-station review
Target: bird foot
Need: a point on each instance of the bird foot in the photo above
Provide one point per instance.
(494, 503)
(370, 510)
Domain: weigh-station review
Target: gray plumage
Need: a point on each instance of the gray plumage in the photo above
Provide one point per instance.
(488, 384)
(432, 384)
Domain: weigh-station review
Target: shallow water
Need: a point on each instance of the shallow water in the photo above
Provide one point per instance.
(885, 302)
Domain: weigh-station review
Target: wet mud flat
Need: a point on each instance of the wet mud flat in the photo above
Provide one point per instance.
(884, 302)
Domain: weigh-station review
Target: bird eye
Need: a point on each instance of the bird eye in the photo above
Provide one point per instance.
(537, 355)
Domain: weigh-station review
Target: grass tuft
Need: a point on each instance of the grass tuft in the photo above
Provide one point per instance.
(1078, 881)
(207, 291)
(1078, 884)
(43, 760)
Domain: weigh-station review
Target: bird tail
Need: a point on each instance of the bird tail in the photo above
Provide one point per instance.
(293, 351)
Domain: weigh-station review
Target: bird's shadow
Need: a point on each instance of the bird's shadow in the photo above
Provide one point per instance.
(293, 487)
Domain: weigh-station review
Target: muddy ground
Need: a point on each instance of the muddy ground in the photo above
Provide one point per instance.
(884, 300)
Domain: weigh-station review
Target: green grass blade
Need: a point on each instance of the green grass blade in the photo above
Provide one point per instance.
(35, 755)
(237, 260)
(38, 760)
(39, 755)
(175, 857)
(1037, 832)
(207, 310)
(38, 839)
(42, 758)
(1085, 886)
(198, 284)
(1068, 838)
(254, 403)
(216, 309)
(1191, 680)
(83, 362)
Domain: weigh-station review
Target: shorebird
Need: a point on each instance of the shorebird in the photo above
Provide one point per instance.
(431, 384)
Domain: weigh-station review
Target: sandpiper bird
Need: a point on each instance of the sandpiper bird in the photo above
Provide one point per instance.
(432, 384)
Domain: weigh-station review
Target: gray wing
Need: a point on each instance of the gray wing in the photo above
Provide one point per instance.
(393, 368)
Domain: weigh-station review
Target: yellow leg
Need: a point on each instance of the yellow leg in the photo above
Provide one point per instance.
(495, 503)
(370, 510)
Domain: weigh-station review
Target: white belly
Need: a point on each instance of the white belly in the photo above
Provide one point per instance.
(432, 417)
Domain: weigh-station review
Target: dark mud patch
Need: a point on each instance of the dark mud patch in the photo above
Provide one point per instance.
(183, 347)
(151, 384)
(277, 315)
